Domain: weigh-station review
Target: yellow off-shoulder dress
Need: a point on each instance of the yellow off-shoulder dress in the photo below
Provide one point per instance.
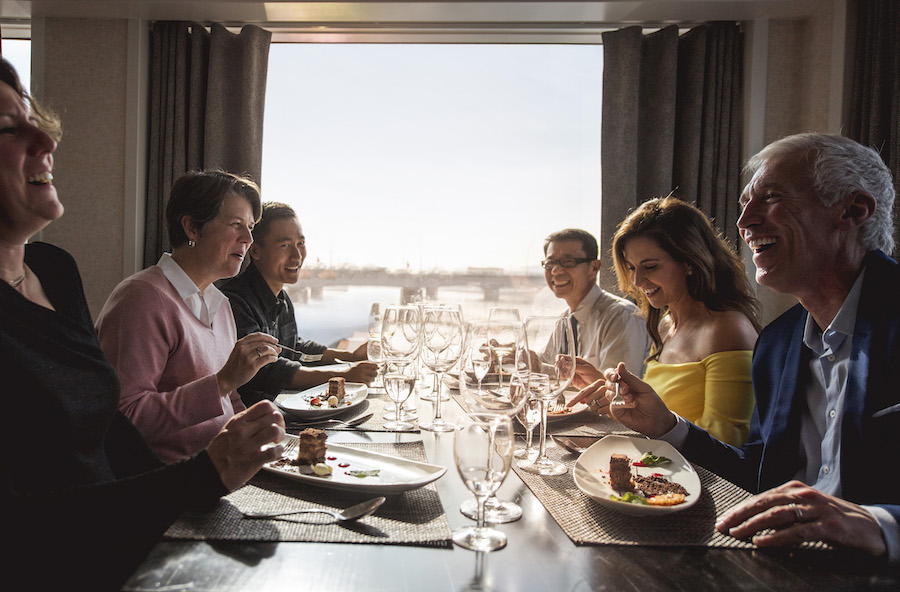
(715, 393)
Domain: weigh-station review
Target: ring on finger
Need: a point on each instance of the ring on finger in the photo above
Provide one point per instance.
(258, 353)
(798, 512)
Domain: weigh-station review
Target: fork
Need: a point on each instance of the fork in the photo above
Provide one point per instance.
(346, 423)
(618, 400)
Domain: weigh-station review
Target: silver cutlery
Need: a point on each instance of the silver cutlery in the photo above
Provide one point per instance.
(618, 400)
(576, 444)
(350, 423)
(352, 513)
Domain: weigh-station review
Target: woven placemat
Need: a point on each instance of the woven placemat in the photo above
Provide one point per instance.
(413, 517)
(588, 523)
(377, 403)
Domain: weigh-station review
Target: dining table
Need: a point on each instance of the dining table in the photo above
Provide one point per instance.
(563, 541)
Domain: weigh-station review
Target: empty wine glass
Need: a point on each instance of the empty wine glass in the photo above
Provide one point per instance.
(373, 348)
(508, 315)
(400, 342)
(442, 337)
(530, 417)
(554, 335)
(502, 338)
(482, 450)
(489, 397)
(399, 382)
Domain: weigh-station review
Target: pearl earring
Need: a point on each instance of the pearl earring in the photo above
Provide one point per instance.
(191, 243)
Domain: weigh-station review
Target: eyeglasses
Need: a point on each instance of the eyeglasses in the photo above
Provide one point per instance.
(549, 264)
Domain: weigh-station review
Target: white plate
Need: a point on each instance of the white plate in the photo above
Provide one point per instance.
(592, 469)
(298, 407)
(576, 409)
(395, 474)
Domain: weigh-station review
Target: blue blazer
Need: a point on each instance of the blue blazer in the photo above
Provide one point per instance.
(870, 446)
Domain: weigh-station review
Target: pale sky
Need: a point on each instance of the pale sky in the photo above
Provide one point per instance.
(434, 156)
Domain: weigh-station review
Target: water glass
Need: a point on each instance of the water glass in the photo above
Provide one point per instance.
(482, 451)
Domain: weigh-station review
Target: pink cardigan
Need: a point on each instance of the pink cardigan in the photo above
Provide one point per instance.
(166, 360)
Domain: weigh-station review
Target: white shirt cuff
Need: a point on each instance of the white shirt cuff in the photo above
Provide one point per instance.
(889, 529)
(677, 435)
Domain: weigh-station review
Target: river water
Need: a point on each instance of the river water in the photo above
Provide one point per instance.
(343, 312)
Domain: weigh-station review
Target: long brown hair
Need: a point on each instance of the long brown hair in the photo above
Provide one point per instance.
(717, 274)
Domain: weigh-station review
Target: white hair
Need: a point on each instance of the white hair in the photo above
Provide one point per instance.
(841, 166)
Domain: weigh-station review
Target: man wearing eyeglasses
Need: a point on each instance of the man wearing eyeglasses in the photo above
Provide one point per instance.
(607, 331)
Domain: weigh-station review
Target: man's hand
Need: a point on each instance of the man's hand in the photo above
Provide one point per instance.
(361, 372)
(585, 373)
(643, 412)
(237, 452)
(797, 513)
(361, 353)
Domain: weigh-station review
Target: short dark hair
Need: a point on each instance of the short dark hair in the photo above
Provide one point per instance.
(200, 195)
(44, 119)
(587, 240)
(271, 211)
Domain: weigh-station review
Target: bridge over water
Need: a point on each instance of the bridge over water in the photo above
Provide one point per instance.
(490, 280)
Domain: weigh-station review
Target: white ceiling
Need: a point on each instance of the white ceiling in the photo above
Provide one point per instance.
(393, 13)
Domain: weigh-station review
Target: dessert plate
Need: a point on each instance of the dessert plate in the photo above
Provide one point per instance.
(591, 473)
(366, 472)
(300, 405)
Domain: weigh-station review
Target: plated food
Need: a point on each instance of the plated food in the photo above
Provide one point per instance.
(566, 412)
(322, 401)
(626, 474)
(351, 469)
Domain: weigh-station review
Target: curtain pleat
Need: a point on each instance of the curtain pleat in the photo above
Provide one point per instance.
(671, 123)
(875, 95)
(207, 99)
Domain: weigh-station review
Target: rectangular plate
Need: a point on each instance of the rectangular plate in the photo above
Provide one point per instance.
(298, 407)
(592, 468)
(395, 474)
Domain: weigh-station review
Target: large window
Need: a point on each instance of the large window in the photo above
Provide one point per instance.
(411, 162)
(18, 53)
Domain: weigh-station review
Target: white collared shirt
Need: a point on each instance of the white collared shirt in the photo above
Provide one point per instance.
(203, 305)
(822, 415)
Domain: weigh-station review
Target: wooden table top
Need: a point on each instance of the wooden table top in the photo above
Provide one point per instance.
(538, 556)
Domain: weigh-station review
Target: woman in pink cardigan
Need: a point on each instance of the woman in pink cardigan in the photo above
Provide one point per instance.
(170, 333)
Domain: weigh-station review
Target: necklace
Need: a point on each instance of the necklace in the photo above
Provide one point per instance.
(15, 283)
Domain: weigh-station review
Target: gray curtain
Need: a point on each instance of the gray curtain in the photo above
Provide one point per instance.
(207, 96)
(875, 95)
(671, 124)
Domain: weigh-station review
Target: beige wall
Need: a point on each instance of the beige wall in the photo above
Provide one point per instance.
(797, 97)
(84, 78)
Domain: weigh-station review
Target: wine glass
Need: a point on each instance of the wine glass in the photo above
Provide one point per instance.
(504, 314)
(399, 382)
(489, 397)
(400, 341)
(442, 337)
(557, 360)
(502, 338)
(529, 417)
(482, 450)
(373, 348)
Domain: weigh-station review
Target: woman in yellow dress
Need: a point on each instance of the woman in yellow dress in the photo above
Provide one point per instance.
(700, 312)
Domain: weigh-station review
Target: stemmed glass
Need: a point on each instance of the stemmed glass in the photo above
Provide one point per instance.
(557, 360)
(502, 338)
(442, 336)
(482, 449)
(399, 343)
(530, 417)
(373, 348)
(489, 397)
(399, 382)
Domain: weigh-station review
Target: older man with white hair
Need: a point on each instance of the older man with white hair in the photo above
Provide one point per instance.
(817, 214)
